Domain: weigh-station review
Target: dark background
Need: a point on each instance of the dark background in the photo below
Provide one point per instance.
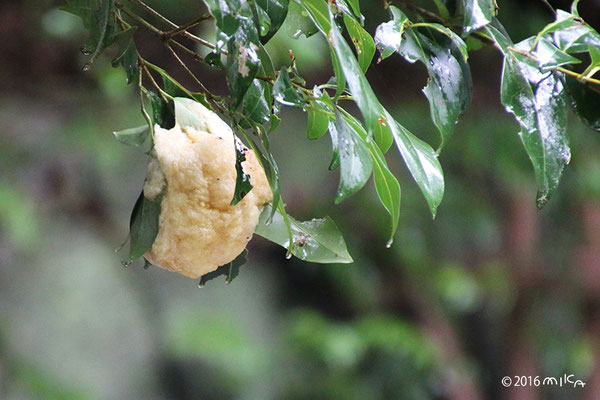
(490, 288)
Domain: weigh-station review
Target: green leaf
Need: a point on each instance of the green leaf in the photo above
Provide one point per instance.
(161, 114)
(585, 101)
(449, 86)
(422, 163)
(355, 4)
(538, 101)
(317, 240)
(284, 92)
(477, 14)
(299, 22)
(356, 165)
(127, 55)
(546, 56)
(335, 146)
(276, 10)
(318, 121)
(242, 181)
(143, 226)
(318, 12)
(363, 42)
(133, 136)
(230, 271)
(571, 34)
(419, 157)
(370, 108)
(388, 35)
(254, 105)
(386, 184)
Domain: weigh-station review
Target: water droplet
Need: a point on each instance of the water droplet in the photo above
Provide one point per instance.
(288, 256)
(86, 67)
(84, 51)
(389, 243)
(200, 285)
(125, 263)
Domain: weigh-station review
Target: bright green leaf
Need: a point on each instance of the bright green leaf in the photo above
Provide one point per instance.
(317, 240)
(363, 42)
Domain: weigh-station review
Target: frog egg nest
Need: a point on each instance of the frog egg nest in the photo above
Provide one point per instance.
(193, 167)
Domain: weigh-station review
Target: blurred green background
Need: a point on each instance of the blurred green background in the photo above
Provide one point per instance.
(491, 288)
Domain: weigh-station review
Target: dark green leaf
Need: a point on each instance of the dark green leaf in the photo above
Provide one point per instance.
(450, 86)
(242, 181)
(101, 30)
(254, 105)
(585, 101)
(284, 92)
(363, 94)
(214, 59)
(264, 22)
(356, 165)
(386, 184)
(161, 114)
(478, 13)
(319, 13)
(133, 136)
(419, 157)
(230, 271)
(318, 240)
(242, 62)
(363, 42)
(277, 11)
(538, 101)
(546, 56)
(422, 163)
(143, 226)
(335, 146)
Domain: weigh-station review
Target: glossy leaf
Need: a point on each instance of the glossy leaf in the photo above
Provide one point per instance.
(318, 121)
(449, 86)
(546, 56)
(243, 61)
(276, 11)
(317, 240)
(422, 162)
(370, 108)
(585, 101)
(242, 180)
(319, 13)
(388, 35)
(363, 42)
(571, 34)
(335, 146)
(477, 14)
(133, 136)
(254, 105)
(299, 22)
(386, 184)
(284, 92)
(356, 165)
(419, 157)
(230, 271)
(143, 226)
(538, 101)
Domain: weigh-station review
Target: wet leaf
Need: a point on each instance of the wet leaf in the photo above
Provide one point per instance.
(242, 180)
(539, 103)
(386, 184)
(299, 22)
(356, 165)
(242, 62)
(133, 136)
(419, 157)
(318, 120)
(284, 92)
(571, 34)
(363, 42)
(370, 108)
(450, 86)
(127, 55)
(143, 226)
(277, 11)
(585, 101)
(254, 105)
(478, 13)
(388, 35)
(230, 271)
(317, 240)
(546, 56)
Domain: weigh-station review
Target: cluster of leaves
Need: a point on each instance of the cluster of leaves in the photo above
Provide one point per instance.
(538, 83)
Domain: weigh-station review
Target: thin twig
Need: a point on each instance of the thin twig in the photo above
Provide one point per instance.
(187, 26)
(173, 25)
(190, 73)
